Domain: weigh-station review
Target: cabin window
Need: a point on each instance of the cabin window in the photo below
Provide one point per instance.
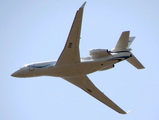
(31, 68)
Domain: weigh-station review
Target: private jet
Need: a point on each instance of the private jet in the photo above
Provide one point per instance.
(74, 69)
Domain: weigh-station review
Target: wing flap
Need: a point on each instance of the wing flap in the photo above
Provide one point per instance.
(85, 84)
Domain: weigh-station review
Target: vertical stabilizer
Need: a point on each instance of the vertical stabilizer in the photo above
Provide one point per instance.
(123, 41)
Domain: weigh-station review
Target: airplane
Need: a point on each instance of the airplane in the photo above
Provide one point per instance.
(74, 69)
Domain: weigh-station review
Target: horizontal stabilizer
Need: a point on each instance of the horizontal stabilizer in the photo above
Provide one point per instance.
(131, 39)
(134, 61)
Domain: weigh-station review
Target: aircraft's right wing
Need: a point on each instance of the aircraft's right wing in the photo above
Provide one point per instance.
(84, 83)
(70, 53)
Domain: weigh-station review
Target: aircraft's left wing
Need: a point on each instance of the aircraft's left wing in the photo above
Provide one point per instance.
(70, 53)
(84, 83)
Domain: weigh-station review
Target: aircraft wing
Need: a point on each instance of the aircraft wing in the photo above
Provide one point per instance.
(70, 53)
(84, 83)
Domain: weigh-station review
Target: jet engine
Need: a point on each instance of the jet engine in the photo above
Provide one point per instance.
(96, 53)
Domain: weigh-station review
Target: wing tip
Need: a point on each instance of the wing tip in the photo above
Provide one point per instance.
(83, 5)
(125, 112)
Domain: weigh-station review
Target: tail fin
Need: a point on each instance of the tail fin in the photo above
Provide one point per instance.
(123, 45)
(124, 42)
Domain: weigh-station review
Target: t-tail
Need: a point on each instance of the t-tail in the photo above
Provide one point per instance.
(123, 46)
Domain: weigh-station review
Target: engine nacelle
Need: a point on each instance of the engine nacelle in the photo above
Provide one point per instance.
(96, 53)
(118, 50)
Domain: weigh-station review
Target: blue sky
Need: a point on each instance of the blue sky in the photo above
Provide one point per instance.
(36, 30)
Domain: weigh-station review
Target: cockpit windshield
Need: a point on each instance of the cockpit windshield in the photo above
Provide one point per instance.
(41, 64)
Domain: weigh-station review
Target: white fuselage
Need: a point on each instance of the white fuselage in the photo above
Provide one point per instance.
(86, 66)
(74, 69)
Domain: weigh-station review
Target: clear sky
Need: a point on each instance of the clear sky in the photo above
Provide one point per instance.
(36, 30)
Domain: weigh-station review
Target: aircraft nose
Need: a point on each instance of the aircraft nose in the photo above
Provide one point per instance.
(17, 74)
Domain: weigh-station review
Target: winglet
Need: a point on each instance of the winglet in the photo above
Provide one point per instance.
(128, 112)
(125, 112)
(83, 5)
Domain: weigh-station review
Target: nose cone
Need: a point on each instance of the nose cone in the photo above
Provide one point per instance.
(17, 74)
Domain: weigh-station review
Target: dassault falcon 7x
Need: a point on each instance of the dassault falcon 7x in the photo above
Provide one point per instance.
(74, 69)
